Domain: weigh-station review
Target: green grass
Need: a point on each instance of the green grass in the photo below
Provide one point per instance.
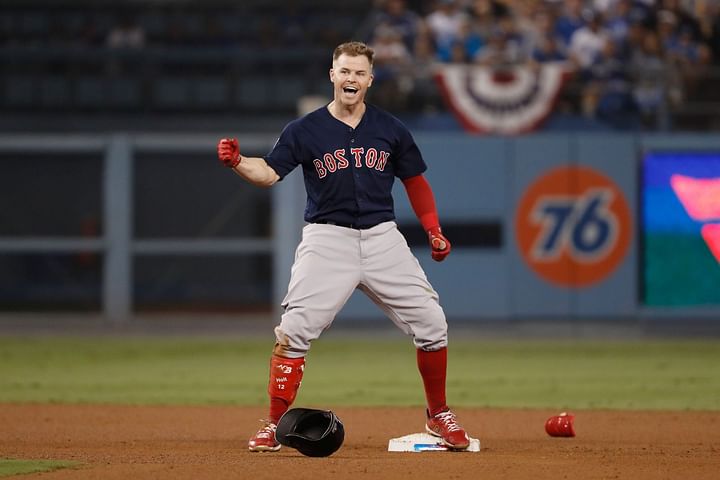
(9, 467)
(370, 372)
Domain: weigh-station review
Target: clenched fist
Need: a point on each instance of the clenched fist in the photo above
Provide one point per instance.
(439, 245)
(229, 152)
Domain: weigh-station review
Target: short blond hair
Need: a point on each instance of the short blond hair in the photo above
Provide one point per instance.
(354, 49)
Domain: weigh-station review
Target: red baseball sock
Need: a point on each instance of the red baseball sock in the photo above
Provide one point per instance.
(278, 407)
(285, 378)
(433, 368)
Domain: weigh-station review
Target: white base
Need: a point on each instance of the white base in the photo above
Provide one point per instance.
(424, 442)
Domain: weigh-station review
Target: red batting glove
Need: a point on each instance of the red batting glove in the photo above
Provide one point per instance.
(439, 245)
(229, 152)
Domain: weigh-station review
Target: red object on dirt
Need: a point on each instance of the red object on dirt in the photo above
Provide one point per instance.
(560, 425)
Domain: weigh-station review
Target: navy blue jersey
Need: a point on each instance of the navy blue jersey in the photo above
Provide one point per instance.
(349, 172)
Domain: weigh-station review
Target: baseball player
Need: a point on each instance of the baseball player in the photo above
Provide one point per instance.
(350, 152)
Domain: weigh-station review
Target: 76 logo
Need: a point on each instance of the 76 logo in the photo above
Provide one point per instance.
(582, 226)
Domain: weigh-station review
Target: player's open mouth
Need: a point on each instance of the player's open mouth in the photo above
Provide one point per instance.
(350, 90)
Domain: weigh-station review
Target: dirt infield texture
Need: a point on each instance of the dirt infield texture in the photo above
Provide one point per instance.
(118, 442)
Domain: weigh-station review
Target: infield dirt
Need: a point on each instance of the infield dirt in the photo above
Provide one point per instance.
(129, 442)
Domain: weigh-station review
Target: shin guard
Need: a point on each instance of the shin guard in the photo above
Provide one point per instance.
(285, 378)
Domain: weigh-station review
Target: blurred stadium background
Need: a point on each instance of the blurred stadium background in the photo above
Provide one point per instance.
(114, 206)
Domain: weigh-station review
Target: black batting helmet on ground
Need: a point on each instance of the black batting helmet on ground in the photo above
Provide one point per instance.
(315, 433)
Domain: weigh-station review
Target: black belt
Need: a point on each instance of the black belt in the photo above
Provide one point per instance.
(354, 226)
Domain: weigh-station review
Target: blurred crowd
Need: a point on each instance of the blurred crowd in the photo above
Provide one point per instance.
(629, 59)
(176, 24)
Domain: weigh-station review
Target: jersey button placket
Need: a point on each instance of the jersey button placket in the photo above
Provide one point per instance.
(352, 142)
(356, 174)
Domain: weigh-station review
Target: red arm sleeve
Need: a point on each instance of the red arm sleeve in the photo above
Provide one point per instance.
(422, 201)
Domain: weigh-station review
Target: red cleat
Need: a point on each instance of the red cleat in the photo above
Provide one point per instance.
(445, 426)
(264, 440)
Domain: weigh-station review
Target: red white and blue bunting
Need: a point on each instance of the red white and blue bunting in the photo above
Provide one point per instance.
(508, 101)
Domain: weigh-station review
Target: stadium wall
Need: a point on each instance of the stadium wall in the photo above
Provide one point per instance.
(557, 226)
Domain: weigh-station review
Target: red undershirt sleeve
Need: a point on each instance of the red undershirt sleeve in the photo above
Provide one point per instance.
(422, 201)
